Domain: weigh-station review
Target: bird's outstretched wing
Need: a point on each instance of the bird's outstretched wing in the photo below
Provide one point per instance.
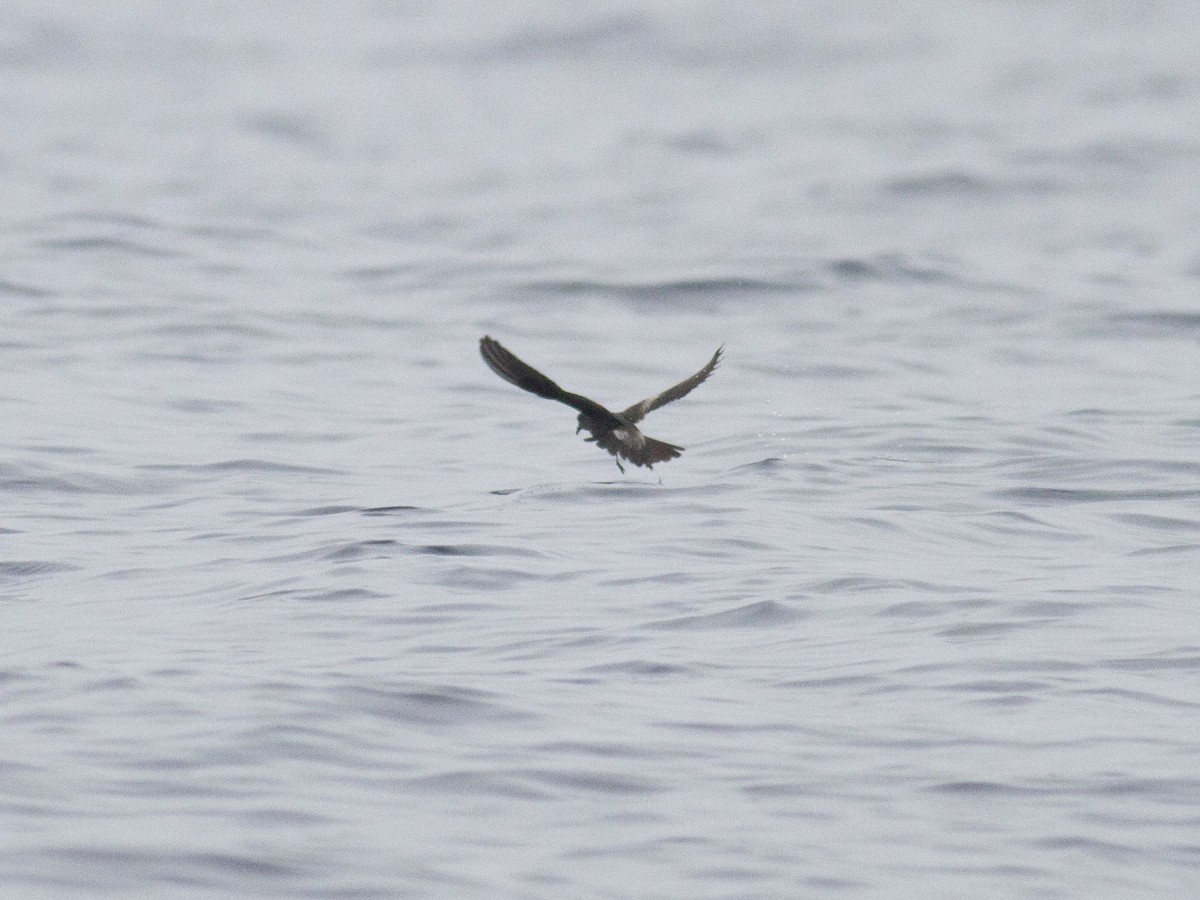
(638, 411)
(526, 377)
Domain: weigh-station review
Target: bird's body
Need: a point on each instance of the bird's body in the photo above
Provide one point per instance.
(615, 432)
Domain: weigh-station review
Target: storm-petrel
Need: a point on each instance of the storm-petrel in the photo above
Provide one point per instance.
(615, 432)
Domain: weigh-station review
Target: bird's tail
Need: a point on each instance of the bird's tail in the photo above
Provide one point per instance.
(657, 451)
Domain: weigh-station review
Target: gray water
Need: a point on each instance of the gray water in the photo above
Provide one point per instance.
(299, 600)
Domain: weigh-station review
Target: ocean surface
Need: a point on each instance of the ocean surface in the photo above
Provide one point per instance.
(299, 600)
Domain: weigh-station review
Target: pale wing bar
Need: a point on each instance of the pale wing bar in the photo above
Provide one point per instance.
(638, 411)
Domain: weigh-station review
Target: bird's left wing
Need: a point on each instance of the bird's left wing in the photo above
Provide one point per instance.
(514, 371)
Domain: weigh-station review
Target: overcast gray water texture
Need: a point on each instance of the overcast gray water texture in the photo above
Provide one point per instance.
(299, 600)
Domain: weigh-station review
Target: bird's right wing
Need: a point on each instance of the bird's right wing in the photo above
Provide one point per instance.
(526, 377)
(638, 411)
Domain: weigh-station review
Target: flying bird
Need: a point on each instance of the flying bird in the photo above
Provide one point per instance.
(615, 432)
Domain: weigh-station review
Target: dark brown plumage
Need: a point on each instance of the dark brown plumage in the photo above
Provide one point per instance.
(615, 432)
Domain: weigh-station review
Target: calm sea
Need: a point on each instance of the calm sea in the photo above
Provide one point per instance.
(299, 600)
